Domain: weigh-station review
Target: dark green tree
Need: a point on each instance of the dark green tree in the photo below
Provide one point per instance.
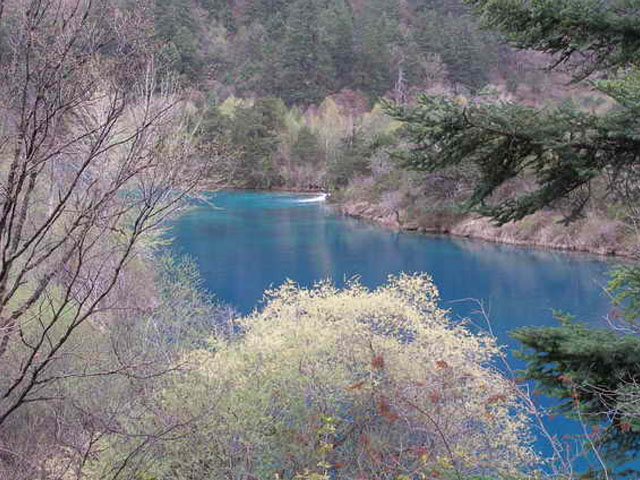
(213, 126)
(448, 29)
(177, 31)
(300, 51)
(308, 70)
(448, 7)
(220, 10)
(565, 151)
(264, 10)
(352, 160)
(255, 130)
(307, 147)
(376, 30)
(254, 66)
(594, 373)
(564, 148)
(336, 19)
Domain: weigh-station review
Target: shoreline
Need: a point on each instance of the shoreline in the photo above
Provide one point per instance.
(541, 231)
(544, 237)
(212, 187)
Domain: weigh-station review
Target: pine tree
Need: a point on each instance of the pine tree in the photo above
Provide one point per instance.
(564, 150)
(352, 159)
(221, 11)
(263, 10)
(448, 29)
(594, 373)
(376, 31)
(307, 68)
(255, 130)
(176, 29)
(307, 148)
(336, 19)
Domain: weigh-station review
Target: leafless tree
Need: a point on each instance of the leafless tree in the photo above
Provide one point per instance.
(94, 156)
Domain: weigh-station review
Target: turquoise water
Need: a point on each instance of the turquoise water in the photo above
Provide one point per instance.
(246, 242)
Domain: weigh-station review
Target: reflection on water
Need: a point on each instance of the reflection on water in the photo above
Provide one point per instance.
(247, 242)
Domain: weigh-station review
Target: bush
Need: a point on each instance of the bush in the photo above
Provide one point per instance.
(350, 383)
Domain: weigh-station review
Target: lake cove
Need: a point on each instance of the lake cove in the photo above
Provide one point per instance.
(246, 242)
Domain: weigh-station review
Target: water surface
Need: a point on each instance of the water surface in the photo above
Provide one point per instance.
(245, 242)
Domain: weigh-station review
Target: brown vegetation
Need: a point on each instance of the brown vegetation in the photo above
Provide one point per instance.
(93, 157)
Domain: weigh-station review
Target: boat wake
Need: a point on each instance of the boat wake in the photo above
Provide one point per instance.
(316, 199)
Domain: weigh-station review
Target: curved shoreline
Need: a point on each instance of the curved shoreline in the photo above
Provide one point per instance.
(541, 231)
(536, 231)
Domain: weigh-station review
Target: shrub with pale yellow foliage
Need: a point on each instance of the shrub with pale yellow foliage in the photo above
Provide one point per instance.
(351, 383)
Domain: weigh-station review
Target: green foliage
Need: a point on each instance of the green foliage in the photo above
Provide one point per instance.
(255, 131)
(214, 122)
(446, 28)
(303, 50)
(377, 30)
(307, 67)
(563, 148)
(176, 29)
(306, 149)
(351, 161)
(221, 10)
(568, 359)
(603, 35)
(264, 9)
(336, 19)
(594, 373)
(268, 146)
(625, 289)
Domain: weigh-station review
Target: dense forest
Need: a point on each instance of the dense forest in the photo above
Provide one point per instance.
(304, 50)
(116, 363)
(274, 78)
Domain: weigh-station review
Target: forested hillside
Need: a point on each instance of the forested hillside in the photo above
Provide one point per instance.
(303, 50)
(294, 92)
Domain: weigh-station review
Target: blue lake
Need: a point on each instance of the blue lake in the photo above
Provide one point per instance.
(245, 242)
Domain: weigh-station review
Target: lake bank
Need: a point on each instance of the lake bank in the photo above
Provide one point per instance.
(594, 235)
